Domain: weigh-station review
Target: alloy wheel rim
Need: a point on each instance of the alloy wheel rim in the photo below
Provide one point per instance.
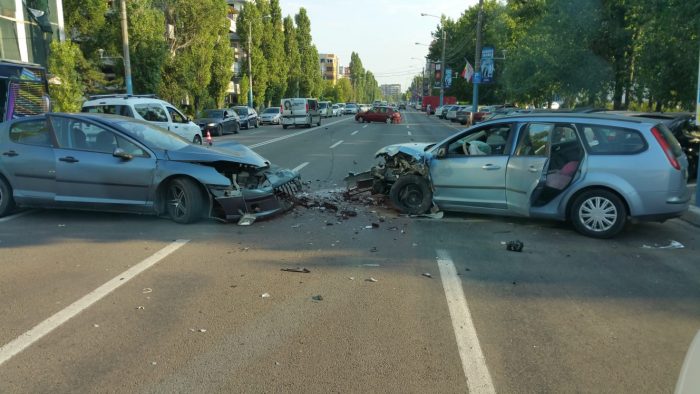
(412, 196)
(177, 202)
(598, 214)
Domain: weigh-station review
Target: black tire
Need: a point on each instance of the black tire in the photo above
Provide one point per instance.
(197, 139)
(319, 122)
(284, 126)
(257, 123)
(184, 201)
(411, 194)
(7, 202)
(219, 131)
(598, 213)
(237, 128)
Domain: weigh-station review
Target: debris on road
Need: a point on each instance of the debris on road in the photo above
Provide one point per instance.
(246, 220)
(147, 290)
(96, 325)
(374, 249)
(61, 225)
(514, 246)
(352, 278)
(297, 269)
(371, 280)
(140, 307)
(317, 298)
(427, 275)
(296, 225)
(672, 245)
(198, 330)
(265, 295)
(375, 225)
(371, 265)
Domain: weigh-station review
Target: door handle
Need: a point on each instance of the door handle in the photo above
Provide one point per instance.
(10, 153)
(533, 169)
(490, 167)
(69, 159)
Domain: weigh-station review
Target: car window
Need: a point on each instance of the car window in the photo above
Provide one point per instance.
(153, 136)
(241, 111)
(122, 110)
(31, 132)
(489, 140)
(176, 116)
(608, 140)
(88, 136)
(534, 140)
(151, 112)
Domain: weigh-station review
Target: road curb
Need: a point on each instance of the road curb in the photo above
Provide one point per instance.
(692, 216)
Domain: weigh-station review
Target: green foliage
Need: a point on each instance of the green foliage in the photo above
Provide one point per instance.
(147, 45)
(344, 90)
(291, 51)
(64, 63)
(309, 83)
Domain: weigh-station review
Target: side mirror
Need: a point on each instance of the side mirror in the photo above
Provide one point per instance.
(189, 118)
(121, 153)
(441, 153)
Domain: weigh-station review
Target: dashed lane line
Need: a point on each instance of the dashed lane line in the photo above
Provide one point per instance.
(409, 133)
(355, 132)
(473, 361)
(364, 127)
(42, 329)
(336, 144)
(300, 166)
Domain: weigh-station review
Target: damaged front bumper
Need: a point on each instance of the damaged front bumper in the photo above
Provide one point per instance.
(276, 195)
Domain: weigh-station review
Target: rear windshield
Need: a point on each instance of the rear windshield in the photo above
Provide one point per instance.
(322, 105)
(241, 111)
(211, 113)
(607, 140)
(272, 111)
(670, 140)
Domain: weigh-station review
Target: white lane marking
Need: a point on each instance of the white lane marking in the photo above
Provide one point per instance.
(355, 132)
(300, 166)
(408, 126)
(409, 133)
(336, 144)
(284, 137)
(473, 361)
(364, 127)
(25, 340)
(17, 215)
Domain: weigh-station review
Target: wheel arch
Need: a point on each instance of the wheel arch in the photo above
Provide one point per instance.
(159, 202)
(577, 193)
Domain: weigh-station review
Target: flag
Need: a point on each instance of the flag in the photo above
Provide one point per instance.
(468, 72)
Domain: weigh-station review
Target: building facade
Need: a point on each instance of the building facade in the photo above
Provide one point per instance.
(391, 90)
(329, 64)
(27, 28)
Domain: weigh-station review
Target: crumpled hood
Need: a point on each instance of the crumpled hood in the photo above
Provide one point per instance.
(207, 120)
(415, 149)
(234, 152)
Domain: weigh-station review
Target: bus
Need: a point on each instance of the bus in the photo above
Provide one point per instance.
(24, 90)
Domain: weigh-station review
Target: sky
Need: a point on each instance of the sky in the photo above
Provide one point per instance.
(382, 32)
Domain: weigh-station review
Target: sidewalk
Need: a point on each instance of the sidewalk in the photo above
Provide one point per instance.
(693, 214)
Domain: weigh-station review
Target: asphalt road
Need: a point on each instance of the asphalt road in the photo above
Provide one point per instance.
(97, 302)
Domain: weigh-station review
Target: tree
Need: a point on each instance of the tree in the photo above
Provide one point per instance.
(309, 82)
(64, 63)
(357, 77)
(344, 89)
(147, 45)
(274, 50)
(293, 58)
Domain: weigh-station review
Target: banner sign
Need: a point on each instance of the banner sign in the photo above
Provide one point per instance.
(448, 77)
(438, 75)
(487, 65)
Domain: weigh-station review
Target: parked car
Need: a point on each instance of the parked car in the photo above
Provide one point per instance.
(384, 114)
(402, 106)
(248, 116)
(351, 109)
(443, 110)
(300, 112)
(145, 107)
(325, 108)
(342, 108)
(114, 163)
(594, 170)
(218, 121)
(336, 110)
(271, 115)
(451, 113)
(466, 117)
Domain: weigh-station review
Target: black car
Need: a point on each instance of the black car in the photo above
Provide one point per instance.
(218, 121)
(248, 116)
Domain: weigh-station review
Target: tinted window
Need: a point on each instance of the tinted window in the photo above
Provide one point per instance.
(609, 140)
(534, 140)
(151, 112)
(33, 132)
(122, 110)
(83, 135)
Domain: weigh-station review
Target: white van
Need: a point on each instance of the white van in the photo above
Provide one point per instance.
(300, 112)
(148, 108)
(325, 109)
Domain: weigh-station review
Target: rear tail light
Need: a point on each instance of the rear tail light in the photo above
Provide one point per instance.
(666, 148)
(307, 107)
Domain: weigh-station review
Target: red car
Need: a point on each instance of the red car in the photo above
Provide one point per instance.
(379, 114)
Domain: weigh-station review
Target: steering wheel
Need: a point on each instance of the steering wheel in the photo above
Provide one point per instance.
(465, 148)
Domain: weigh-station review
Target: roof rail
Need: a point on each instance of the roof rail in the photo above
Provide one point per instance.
(121, 95)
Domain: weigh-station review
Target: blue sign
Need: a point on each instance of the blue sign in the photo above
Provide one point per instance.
(487, 66)
(448, 77)
(477, 77)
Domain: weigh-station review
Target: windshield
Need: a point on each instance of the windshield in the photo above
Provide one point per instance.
(211, 113)
(272, 110)
(151, 135)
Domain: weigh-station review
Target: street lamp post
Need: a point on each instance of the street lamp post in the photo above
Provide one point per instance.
(125, 48)
(477, 59)
(442, 62)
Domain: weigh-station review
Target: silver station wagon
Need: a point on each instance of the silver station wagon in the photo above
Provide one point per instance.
(594, 170)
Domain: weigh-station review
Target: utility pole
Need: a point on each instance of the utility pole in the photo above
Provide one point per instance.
(477, 59)
(250, 67)
(125, 48)
(442, 65)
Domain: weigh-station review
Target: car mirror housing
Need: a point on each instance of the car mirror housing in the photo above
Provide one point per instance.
(441, 152)
(122, 154)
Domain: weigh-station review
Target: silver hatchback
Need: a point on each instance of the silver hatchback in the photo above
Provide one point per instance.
(595, 170)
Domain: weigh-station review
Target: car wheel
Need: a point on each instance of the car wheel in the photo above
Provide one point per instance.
(284, 126)
(7, 203)
(197, 139)
(237, 128)
(319, 122)
(257, 123)
(219, 131)
(411, 194)
(184, 201)
(598, 213)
